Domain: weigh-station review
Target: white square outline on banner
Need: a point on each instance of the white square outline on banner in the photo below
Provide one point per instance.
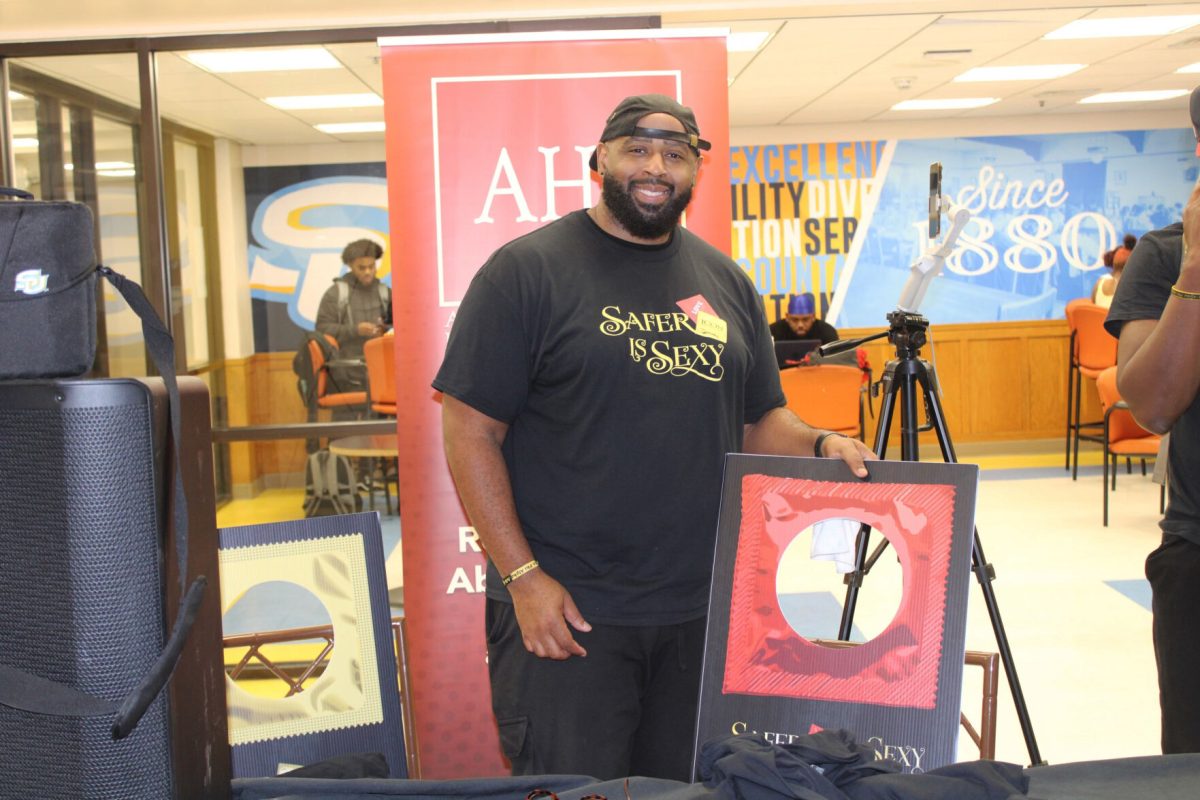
(437, 170)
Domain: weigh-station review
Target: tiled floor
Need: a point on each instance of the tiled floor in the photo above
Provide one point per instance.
(1075, 605)
(1070, 594)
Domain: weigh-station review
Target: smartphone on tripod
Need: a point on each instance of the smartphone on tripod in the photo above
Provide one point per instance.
(935, 199)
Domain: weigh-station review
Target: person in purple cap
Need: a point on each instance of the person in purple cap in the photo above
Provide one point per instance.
(597, 372)
(801, 322)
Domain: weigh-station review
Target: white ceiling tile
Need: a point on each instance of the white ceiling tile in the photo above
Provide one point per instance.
(824, 64)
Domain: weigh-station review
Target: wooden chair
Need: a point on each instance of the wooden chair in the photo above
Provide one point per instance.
(381, 374)
(826, 396)
(1122, 435)
(1092, 350)
(984, 736)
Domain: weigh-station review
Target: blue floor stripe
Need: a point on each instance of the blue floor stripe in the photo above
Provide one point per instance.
(1137, 590)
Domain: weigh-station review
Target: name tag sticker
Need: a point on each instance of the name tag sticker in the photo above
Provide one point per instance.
(711, 327)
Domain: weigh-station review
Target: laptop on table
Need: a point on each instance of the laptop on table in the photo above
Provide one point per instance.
(791, 353)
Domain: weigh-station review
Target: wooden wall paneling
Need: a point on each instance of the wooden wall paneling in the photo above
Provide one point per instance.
(946, 355)
(237, 399)
(1047, 368)
(279, 403)
(996, 381)
(997, 397)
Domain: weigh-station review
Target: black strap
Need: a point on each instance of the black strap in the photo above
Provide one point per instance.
(27, 692)
(162, 351)
(9, 191)
(135, 704)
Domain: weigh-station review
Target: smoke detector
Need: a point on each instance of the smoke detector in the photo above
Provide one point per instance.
(903, 82)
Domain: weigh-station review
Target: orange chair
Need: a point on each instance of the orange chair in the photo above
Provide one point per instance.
(324, 397)
(1092, 350)
(381, 373)
(1122, 435)
(826, 396)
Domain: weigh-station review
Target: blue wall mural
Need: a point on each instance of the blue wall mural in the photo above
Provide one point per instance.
(844, 220)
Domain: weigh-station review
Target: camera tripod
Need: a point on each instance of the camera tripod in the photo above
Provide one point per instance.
(901, 377)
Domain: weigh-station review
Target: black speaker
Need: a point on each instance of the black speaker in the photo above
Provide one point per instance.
(88, 584)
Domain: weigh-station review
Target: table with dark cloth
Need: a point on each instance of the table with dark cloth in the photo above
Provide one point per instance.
(825, 766)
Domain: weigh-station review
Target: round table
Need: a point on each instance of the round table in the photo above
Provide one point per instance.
(382, 445)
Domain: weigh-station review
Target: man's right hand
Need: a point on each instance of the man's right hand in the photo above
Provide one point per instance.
(544, 608)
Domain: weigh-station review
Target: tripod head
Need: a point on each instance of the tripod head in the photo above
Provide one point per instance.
(907, 332)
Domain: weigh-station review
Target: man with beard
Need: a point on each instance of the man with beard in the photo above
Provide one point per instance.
(598, 371)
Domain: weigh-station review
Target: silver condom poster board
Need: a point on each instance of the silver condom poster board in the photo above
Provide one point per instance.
(324, 577)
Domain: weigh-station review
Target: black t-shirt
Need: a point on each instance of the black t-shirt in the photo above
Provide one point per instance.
(782, 332)
(626, 374)
(1142, 293)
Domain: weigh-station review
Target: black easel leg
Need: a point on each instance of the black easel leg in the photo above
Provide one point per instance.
(985, 574)
(902, 376)
(854, 579)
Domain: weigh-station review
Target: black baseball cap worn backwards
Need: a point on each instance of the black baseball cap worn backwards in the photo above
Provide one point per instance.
(624, 118)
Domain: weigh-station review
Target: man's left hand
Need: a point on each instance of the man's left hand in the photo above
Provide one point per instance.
(852, 451)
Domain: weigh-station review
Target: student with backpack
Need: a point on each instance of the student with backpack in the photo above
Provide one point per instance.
(356, 308)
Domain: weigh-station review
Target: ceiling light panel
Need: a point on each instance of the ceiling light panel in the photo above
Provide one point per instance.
(745, 41)
(257, 60)
(314, 101)
(1116, 27)
(1029, 72)
(945, 104)
(350, 127)
(1134, 97)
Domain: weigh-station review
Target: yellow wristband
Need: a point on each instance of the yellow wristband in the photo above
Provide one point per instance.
(1175, 290)
(529, 566)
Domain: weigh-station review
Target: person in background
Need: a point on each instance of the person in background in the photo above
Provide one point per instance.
(1127, 245)
(801, 322)
(1156, 316)
(1102, 292)
(1106, 287)
(357, 307)
(597, 372)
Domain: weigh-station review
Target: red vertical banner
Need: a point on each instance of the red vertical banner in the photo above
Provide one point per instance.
(488, 138)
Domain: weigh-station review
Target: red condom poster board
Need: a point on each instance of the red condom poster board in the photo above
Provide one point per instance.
(488, 138)
(899, 692)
